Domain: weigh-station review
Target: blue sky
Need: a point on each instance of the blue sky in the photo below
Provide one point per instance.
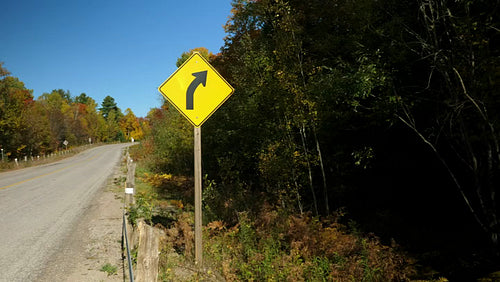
(124, 49)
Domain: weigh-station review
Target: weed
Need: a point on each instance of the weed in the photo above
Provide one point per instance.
(277, 247)
(109, 269)
(247, 235)
(133, 256)
(267, 246)
(119, 180)
(143, 208)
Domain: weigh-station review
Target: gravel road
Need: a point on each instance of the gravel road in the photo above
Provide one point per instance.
(40, 206)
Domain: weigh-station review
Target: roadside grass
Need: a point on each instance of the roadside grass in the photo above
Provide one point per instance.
(118, 185)
(109, 269)
(140, 185)
(269, 246)
(162, 201)
(277, 246)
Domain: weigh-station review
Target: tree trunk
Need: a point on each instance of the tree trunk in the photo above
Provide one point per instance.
(325, 188)
(303, 137)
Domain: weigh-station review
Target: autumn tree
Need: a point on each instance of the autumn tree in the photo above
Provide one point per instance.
(130, 126)
(37, 135)
(93, 121)
(3, 71)
(30, 127)
(15, 100)
(57, 107)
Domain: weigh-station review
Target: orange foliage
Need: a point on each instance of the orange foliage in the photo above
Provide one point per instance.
(296, 246)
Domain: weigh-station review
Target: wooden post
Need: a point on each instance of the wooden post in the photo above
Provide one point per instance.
(198, 250)
(147, 253)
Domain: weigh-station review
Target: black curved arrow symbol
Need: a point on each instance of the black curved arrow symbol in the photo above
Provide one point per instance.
(200, 78)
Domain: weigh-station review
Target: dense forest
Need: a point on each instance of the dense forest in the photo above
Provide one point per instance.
(385, 112)
(36, 127)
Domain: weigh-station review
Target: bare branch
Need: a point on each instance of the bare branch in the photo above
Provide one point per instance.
(445, 164)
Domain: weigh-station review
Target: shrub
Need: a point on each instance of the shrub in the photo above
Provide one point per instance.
(300, 248)
(143, 208)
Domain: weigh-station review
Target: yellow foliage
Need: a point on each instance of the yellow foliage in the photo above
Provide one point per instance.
(156, 180)
(20, 148)
(129, 124)
(177, 203)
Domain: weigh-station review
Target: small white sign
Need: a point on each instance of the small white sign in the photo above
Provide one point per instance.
(129, 190)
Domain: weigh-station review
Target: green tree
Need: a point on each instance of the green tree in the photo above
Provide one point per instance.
(112, 115)
(109, 105)
(65, 95)
(202, 50)
(172, 136)
(82, 99)
(297, 75)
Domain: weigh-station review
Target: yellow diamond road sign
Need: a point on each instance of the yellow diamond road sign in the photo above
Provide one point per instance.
(196, 89)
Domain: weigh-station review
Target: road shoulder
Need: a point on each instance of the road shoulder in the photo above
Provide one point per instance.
(95, 242)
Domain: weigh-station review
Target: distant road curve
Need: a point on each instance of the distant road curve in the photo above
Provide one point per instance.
(39, 206)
